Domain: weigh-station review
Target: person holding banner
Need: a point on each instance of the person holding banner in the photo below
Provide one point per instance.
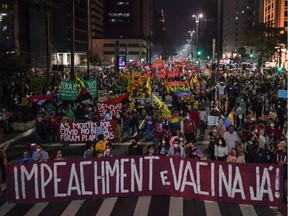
(100, 146)
(231, 138)
(40, 155)
(221, 150)
(134, 148)
(176, 150)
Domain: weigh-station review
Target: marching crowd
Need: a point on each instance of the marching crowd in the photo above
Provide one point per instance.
(254, 137)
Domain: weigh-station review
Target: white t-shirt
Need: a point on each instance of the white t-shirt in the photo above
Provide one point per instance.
(221, 90)
(230, 139)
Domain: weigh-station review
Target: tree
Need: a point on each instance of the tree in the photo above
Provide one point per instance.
(11, 64)
(94, 59)
(265, 38)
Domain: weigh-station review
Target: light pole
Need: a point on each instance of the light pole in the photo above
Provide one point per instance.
(191, 33)
(197, 18)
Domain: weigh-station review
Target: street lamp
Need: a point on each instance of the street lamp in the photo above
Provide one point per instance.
(191, 33)
(197, 18)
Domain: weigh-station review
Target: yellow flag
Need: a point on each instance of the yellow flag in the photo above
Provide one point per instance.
(148, 86)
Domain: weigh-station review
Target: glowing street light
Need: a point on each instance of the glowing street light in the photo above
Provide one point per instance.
(197, 19)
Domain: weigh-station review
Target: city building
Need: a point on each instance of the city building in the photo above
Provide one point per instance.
(67, 26)
(7, 32)
(275, 12)
(97, 19)
(238, 15)
(129, 23)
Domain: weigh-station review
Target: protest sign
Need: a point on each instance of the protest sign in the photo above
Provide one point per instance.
(72, 132)
(53, 181)
(114, 108)
(212, 120)
(70, 92)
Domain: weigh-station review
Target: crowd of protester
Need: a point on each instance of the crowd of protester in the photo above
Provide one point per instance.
(250, 96)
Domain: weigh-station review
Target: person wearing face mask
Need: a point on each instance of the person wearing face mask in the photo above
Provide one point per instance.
(221, 150)
(189, 128)
(40, 155)
(176, 150)
(100, 146)
(162, 147)
(231, 138)
(212, 137)
(134, 148)
(256, 154)
(107, 152)
(26, 158)
(280, 157)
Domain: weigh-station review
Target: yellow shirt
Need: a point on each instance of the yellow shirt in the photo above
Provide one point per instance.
(100, 146)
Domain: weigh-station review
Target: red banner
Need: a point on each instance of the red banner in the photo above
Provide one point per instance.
(73, 132)
(253, 184)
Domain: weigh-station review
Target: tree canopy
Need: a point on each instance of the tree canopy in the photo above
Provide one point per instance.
(265, 38)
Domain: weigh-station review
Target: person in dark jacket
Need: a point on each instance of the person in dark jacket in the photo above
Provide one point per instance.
(134, 148)
(256, 154)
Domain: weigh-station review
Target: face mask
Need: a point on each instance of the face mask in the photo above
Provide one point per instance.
(214, 131)
(163, 141)
(108, 150)
(220, 142)
(38, 149)
(176, 145)
(187, 117)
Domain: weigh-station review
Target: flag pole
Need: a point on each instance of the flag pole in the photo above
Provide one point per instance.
(225, 119)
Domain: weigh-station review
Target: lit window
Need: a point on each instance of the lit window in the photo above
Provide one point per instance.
(119, 14)
(243, 12)
(122, 3)
(236, 18)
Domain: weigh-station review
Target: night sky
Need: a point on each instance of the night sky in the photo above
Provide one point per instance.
(178, 16)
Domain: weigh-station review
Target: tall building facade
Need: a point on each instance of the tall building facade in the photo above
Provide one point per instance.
(127, 23)
(65, 24)
(238, 15)
(7, 31)
(97, 18)
(276, 13)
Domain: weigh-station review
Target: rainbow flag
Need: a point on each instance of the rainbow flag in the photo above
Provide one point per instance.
(175, 120)
(207, 72)
(230, 119)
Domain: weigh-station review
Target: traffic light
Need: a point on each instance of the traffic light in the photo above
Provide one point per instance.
(279, 69)
(199, 53)
(251, 55)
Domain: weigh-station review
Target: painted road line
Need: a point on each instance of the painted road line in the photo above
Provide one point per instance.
(6, 207)
(247, 210)
(73, 208)
(212, 208)
(37, 209)
(142, 206)
(176, 206)
(107, 206)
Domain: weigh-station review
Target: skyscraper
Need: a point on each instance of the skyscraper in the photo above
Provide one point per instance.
(238, 15)
(275, 12)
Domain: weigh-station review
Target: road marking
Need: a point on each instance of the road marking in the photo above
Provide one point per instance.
(212, 208)
(6, 207)
(142, 206)
(247, 210)
(107, 206)
(3, 186)
(176, 206)
(73, 208)
(37, 209)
